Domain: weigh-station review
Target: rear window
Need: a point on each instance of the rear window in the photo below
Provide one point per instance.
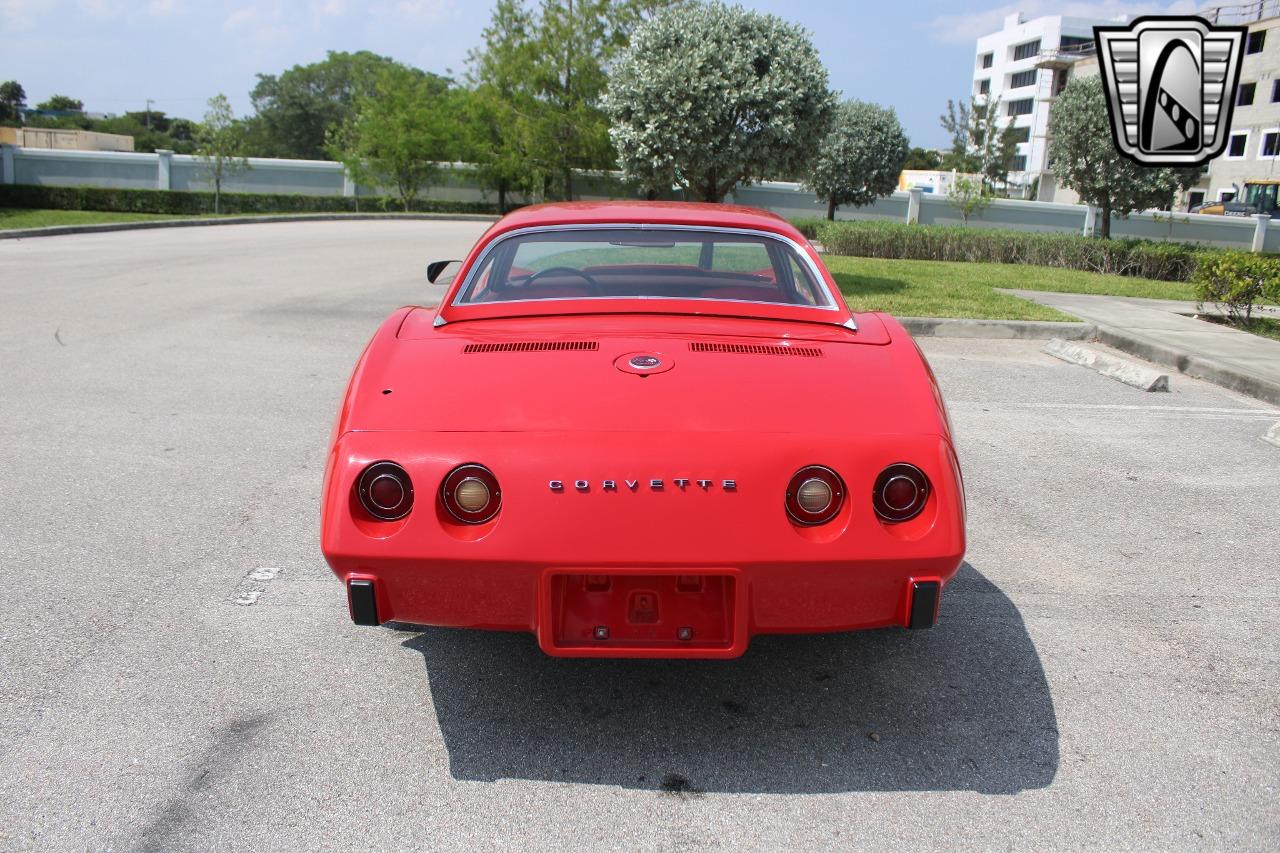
(645, 263)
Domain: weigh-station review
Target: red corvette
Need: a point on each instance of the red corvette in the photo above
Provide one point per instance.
(643, 430)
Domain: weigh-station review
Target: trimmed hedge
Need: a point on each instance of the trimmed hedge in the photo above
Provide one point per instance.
(808, 227)
(1163, 261)
(178, 202)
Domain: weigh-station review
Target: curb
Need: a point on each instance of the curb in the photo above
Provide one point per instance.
(1122, 370)
(1036, 330)
(1195, 366)
(93, 228)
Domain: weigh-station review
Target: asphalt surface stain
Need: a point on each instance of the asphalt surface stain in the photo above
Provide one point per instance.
(678, 786)
(172, 826)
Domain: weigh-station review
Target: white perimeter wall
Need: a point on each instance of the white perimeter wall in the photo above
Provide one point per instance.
(313, 177)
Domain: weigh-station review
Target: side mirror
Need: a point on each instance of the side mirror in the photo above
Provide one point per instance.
(436, 267)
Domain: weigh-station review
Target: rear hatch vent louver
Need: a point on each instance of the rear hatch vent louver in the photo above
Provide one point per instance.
(756, 349)
(531, 346)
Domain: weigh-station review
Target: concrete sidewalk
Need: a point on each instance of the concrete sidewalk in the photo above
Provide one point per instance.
(1159, 330)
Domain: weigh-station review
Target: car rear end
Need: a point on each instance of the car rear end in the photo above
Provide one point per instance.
(617, 513)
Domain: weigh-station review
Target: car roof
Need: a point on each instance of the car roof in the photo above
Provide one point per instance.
(645, 212)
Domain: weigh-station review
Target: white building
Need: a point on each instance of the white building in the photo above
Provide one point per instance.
(1006, 68)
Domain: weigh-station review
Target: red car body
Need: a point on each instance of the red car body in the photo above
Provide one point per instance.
(640, 456)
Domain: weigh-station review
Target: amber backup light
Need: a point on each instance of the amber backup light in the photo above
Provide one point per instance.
(385, 491)
(471, 494)
(900, 492)
(814, 495)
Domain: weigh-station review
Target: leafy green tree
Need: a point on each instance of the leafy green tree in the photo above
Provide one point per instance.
(503, 102)
(860, 158)
(61, 103)
(539, 79)
(980, 142)
(958, 123)
(13, 98)
(401, 131)
(173, 134)
(924, 159)
(1003, 155)
(220, 145)
(65, 121)
(1085, 158)
(572, 132)
(296, 110)
(970, 197)
(710, 96)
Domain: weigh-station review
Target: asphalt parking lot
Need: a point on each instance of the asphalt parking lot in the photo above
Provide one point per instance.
(179, 670)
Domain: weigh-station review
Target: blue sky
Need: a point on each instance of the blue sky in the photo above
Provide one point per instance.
(114, 54)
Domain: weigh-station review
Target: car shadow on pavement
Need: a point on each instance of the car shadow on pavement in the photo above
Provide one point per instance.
(964, 706)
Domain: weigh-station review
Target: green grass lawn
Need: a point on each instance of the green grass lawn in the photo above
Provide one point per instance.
(953, 289)
(1266, 327)
(18, 217)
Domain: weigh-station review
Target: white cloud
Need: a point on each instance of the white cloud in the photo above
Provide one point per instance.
(238, 19)
(327, 8)
(99, 9)
(264, 28)
(18, 15)
(421, 11)
(161, 8)
(969, 26)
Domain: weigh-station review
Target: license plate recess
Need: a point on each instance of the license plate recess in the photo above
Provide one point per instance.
(642, 612)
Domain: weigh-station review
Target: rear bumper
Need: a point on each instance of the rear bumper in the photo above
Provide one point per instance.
(651, 611)
(762, 573)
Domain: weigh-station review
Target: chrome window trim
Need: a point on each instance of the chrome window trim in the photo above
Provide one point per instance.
(615, 226)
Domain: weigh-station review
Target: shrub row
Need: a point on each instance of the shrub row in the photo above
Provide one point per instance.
(1164, 261)
(179, 202)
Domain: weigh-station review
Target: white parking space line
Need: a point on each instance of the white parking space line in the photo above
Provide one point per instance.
(1188, 412)
(255, 584)
(1130, 408)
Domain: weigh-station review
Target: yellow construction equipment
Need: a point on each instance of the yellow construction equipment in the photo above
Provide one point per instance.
(1259, 197)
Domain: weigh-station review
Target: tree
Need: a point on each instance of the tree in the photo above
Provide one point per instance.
(503, 102)
(13, 99)
(1085, 159)
(219, 145)
(925, 159)
(173, 134)
(958, 123)
(61, 103)
(968, 196)
(401, 131)
(860, 158)
(980, 142)
(297, 110)
(539, 78)
(572, 132)
(710, 96)
(1002, 157)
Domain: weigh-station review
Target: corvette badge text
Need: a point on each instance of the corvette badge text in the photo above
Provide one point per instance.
(654, 485)
(1171, 85)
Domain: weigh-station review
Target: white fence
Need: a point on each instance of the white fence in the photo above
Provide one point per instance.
(1235, 232)
(165, 170)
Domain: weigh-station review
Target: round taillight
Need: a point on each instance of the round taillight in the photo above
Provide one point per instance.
(470, 493)
(385, 491)
(900, 492)
(814, 495)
